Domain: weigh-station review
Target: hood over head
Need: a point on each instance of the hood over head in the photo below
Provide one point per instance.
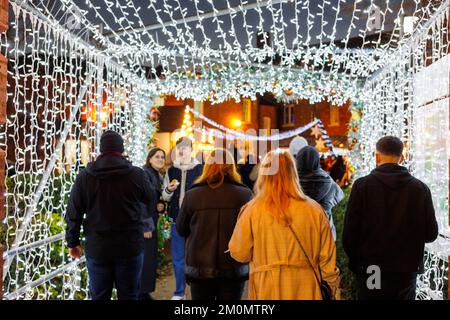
(308, 160)
(315, 182)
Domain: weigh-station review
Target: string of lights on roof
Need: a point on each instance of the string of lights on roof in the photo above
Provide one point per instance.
(182, 37)
(223, 132)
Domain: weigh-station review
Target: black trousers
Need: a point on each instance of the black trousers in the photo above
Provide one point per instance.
(150, 265)
(394, 286)
(217, 289)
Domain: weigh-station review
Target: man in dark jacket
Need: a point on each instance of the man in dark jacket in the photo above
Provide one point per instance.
(106, 199)
(317, 184)
(390, 217)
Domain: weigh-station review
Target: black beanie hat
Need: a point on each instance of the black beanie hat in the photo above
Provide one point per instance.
(111, 141)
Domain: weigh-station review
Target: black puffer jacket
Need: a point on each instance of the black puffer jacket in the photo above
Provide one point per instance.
(207, 219)
(109, 191)
(316, 183)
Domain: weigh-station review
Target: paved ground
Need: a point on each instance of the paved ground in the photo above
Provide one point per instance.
(165, 285)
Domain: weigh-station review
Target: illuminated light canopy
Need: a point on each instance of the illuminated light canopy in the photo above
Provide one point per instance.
(366, 51)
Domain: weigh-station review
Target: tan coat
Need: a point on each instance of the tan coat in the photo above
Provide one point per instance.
(278, 267)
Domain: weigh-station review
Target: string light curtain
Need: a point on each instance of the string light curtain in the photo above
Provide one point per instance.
(409, 98)
(77, 68)
(62, 94)
(311, 42)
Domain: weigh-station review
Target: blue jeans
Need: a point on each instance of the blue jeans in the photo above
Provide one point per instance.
(123, 273)
(177, 248)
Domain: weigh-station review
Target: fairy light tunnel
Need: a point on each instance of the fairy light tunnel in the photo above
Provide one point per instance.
(68, 80)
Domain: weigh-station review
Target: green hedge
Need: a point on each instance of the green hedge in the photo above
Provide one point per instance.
(3, 229)
(348, 291)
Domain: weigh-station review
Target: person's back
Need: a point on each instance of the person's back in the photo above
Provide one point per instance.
(278, 265)
(395, 220)
(268, 231)
(106, 199)
(112, 191)
(390, 217)
(316, 183)
(207, 221)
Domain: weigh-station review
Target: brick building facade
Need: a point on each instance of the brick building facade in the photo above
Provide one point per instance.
(264, 114)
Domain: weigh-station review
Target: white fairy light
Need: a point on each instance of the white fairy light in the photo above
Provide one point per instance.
(33, 141)
(231, 134)
(389, 108)
(312, 66)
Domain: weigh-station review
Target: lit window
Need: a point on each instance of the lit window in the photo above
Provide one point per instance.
(70, 151)
(334, 116)
(288, 115)
(85, 150)
(266, 125)
(74, 153)
(247, 110)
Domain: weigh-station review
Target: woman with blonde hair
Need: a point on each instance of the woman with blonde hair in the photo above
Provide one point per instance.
(207, 218)
(284, 234)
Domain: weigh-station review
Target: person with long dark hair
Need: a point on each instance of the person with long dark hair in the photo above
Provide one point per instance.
(154, 164)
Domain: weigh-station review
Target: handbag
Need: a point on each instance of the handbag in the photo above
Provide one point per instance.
(325, 288)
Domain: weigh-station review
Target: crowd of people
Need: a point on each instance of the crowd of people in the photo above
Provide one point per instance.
(270, 224)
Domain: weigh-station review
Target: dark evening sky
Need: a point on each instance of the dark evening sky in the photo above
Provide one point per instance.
(252, 17)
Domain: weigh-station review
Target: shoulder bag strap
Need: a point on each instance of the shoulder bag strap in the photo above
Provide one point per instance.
(307, 258)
